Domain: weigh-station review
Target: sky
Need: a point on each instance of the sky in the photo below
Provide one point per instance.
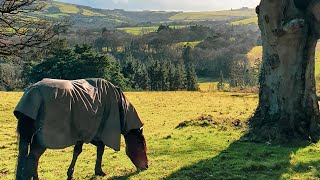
(167, 5)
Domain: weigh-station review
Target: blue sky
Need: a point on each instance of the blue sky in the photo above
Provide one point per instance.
(168, 5)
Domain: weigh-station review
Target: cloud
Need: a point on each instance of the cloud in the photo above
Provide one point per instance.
(120, 1)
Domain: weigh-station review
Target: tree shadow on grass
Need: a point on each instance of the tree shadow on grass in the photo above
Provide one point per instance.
(244, 160)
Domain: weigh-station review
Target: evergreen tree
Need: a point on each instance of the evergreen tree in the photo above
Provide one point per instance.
(165, 85)
(171, 77)
(191, 80)
(136, 74)
(78, 63)
(180, 77)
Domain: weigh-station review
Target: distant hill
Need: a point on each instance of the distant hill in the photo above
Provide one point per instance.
(85, 16)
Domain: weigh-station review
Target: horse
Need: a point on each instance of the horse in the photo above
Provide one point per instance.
(35, 129)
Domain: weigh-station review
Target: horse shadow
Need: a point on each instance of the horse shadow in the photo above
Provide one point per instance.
(123, 177)
(248, 160)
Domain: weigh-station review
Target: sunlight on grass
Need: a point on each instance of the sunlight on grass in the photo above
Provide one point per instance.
(145, 30)
(87, 12)
(216, 15)
(214, 148)
(192, 44)
(67, 8)
(245, 21)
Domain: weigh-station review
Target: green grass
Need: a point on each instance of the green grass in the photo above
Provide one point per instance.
(57, 15)
(144, 30)
(192, 44)
(245, 21)
(214, 15)
(87, 12)
(203, 151)
(66, 8)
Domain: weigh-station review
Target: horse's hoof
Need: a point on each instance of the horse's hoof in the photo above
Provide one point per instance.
(100, 173)
(69, 178)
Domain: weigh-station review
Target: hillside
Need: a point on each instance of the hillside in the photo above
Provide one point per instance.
(82, 16)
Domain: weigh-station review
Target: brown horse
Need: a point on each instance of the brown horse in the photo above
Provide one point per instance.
(54, 114)
(136, 150)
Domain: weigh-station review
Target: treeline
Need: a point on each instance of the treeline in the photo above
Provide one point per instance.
(213, 49)
(83, 62)
(167, 59)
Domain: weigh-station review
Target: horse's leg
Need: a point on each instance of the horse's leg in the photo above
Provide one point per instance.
(22, 158)
(100, 150)
(76, 152)
(36, 150)
(25, 129)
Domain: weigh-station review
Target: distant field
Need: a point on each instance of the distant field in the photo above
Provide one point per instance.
(144, 30)
(216, 15)
(256, 53)
(192, 44)
(66, 8)
(245, 21)
(87, 12)
(190, 135)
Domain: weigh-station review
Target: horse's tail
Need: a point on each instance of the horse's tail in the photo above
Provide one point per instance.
(25, 131)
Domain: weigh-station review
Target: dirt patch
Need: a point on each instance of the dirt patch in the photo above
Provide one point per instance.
(203, 121)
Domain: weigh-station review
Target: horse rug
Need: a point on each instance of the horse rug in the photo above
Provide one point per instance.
(68, 111)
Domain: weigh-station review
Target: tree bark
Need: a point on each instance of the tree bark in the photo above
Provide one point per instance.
(288, 109)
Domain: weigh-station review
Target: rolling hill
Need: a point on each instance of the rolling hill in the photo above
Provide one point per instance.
(84, 16)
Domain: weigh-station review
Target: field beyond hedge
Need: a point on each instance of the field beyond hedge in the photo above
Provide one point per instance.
(190, 135)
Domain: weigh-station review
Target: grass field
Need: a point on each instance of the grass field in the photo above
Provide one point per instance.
(66, 8)
(144, 30)
(198, 149)
(245, 21)
(214, 15)
(256, 53)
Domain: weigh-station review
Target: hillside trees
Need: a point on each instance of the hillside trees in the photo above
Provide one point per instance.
(288, 107)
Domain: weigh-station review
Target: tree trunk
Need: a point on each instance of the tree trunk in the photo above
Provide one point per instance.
(288, 108)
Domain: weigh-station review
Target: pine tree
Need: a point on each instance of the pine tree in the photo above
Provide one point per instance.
(180, 77)
(171, 77)
(191, 80)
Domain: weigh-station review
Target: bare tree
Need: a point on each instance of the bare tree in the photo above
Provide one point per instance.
(288, 108)
(20, 32)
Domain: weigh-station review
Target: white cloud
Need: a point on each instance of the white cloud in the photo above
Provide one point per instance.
(120, 1)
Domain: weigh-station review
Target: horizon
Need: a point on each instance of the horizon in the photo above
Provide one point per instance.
(166, 5)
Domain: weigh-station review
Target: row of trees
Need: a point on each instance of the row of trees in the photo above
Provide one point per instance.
(160, 75)
(83, 61)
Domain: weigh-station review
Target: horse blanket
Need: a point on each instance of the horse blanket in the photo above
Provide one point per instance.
(67, 111)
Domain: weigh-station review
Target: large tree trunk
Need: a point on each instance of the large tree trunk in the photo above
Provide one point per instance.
(288, 108)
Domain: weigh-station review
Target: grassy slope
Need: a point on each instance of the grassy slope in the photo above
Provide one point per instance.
(246, 21)
(215, 15)
(193, 152)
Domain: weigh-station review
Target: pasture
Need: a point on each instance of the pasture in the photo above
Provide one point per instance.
(245, 21)
(214, 15)
(190, 135)
(144, 30)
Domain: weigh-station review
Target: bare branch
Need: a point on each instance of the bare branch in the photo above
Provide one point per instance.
(21, 32)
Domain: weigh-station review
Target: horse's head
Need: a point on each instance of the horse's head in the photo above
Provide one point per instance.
(136, 148)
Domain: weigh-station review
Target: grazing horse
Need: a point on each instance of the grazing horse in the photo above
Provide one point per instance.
(54, 114)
